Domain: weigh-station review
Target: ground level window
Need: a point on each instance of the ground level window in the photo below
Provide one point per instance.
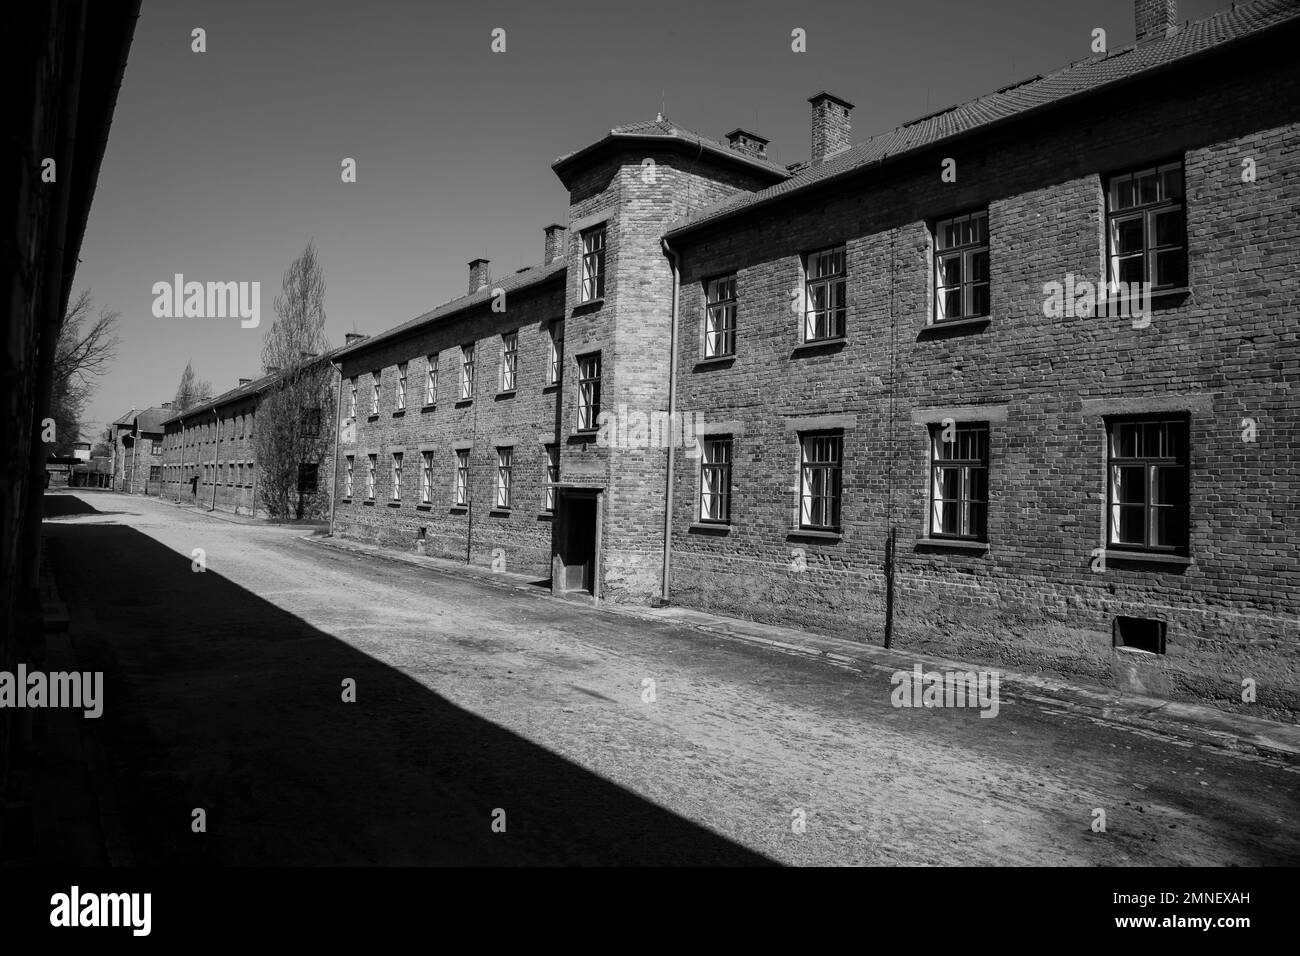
(715, 481)
(1147, 475)
(821, 457)
(959, 481)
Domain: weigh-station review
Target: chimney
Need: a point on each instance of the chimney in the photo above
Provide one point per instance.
(307, 356)
(1155, 19)
(751, 144)
(352, 338)
(245, 381)
(830, 126)
(555, 234)
(478, 274)
(166, 404)
(272, 369)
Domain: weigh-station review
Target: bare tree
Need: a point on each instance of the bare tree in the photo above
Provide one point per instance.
(289, 439)
(85, 347)
(191, 391)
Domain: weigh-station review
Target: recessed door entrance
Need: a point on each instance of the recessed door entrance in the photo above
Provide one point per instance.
(576, 534)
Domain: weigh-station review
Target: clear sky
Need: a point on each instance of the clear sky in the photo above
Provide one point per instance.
(222, 165)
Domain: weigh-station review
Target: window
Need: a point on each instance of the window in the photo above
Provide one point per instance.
(959, 481)
(251, 466)
(715, 481)
(505, 458)
(239, 474)
(374, 393)
(1146, 227)
(552, 475)
(397, 476)
(555, 351)
(1148, 494)
(588, 391)
(371, 466)
(466, 372)
(825, 304)
(401, 387)
(308, 474)
(311, 421)
(593, 264)
(720, 318)
(509, 360)
(347, 478)
(252, 417)
(462, 477)
(961, 267)
(352, 399)
(821, 456)
(431, 381)
(426, 477)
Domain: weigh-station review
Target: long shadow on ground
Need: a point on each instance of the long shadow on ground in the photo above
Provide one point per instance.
(218, 700)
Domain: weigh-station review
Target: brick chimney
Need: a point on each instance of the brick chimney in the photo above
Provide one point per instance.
(1155, 19)
(830, 126)
(352, 338)
(555, 235)
(166, 405)
(305, 356)
(478, 274)
(751, 144)
(245, 381)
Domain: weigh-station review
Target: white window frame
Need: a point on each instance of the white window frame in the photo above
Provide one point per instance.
(509, 361)
(431, 382)
(505, 474)
(467, 372)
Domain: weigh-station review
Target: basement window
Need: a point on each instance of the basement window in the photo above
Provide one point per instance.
(1139, 634)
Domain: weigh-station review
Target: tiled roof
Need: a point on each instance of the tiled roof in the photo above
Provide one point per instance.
(151, 419)
(666, 129)
(126, 419)
(533, 275)
(241, 391)
(1033, 93)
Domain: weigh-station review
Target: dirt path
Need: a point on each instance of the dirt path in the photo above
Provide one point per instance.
(224, 693)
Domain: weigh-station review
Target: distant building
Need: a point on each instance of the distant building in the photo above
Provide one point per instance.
(210, 456)
(138, 450)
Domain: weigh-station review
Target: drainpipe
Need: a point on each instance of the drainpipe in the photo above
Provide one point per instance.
(216, 448)
(338, 425)
(672, 409)
(182, 471)
(256, 465)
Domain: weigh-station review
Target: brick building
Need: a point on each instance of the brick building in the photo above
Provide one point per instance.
(209, 453)
(870, 395)
(138, 450)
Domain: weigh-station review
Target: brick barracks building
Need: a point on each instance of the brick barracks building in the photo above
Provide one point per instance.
(209, 457)
(909, 435)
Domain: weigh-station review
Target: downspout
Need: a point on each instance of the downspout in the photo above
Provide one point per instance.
(672, 410)
(469, 467)
(338, 425)
(181, 473)
(252, 450)
(216, 448)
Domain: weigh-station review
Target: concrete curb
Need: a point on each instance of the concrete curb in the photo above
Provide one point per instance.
(1248, 737)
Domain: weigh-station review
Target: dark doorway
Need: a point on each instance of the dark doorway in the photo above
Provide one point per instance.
(577, 544)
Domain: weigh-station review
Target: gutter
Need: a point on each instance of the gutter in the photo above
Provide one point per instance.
(672, 409)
